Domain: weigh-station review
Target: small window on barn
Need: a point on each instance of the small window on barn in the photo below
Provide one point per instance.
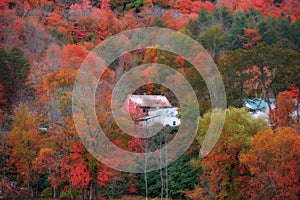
(174, 123)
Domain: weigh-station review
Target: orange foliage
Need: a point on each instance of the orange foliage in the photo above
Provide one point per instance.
(267, 7)
(273, 161)
(188, 6)
(39, 3)
(64, 77)
(282, 114)
(174, 22)
(72, 56)
(24, 140)
(197, 194)
(221, 163)
(128, 22)
(108, 24)
(251, 37)
(54, 20)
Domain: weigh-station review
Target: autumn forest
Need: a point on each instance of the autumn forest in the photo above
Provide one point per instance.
(255, 45)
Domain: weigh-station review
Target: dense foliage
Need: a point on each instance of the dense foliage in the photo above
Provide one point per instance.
(256, 45)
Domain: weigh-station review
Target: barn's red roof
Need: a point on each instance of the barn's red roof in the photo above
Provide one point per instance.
(147, 101)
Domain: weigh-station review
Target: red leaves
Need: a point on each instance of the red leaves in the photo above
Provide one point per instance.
(294, 92)
(105, 5)
(174, 22)
(83, 167)
(80, 175)
(180, 60)
(133, 189)
(208, 6)
(108, 24)
(282, 115)
(273, 160)
(188, 6)
(45, 158)
(4, 4)
(72, 56)
(76, 7)
(251, 37)
(267, 7)
(104, 176)
(137, 145)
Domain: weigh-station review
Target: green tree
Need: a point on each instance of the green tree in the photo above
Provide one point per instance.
(214, 40)
(24, 140)
(294, 35)
(272, 67)
(127, 4)
(266, 29)
(222, 167)
(236, 29)
(233, 66)
(277, 67)
(13, 73)
(180, 177)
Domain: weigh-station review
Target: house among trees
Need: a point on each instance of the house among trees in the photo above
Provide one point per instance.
(259, 107)
(147, 110)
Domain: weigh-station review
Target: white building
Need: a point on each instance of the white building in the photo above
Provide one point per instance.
(163, 116)
(152, 109)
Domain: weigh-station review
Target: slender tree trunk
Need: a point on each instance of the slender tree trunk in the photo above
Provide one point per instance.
(263, 83)
(96, 191)
(298, 104)
(241, 88)
(167, 183)
(91, 191)
(145, 176)
(160, 170)
(54, 188)
(297, 111)
(145, 169)
(84, 193)
(70, 191)
(54, 193)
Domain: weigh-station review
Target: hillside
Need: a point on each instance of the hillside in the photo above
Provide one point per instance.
(45, 44)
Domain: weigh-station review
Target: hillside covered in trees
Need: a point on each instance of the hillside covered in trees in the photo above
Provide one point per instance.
(255, 45)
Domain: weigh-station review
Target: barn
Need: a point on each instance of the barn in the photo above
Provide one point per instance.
(150, 109)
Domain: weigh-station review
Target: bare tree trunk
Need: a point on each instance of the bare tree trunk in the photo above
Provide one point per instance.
(91, 191)
(84, 193)
(166, 158)
(145, 169)
(70, 191)
(54, 193)
(145, 175)
(297, 112)
(263, 83)
(96, 191)
(160, 170)
(297, 107)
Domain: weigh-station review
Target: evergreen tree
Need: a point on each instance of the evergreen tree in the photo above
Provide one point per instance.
(13, 73)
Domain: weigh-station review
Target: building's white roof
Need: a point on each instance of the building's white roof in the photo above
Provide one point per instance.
(149, 101)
